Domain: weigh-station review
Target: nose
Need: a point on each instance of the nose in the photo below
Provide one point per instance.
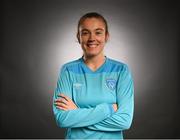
(92, 37)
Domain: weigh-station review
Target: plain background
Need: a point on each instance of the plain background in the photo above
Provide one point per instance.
(40, 35)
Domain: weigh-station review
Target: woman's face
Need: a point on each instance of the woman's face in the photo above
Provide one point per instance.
(92, 36)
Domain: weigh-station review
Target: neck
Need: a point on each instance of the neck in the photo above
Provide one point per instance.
(94, 62)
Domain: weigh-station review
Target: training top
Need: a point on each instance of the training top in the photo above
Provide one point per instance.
(94, 92)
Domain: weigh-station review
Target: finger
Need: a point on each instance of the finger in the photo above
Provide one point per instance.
(61, 100)
(61, 108)
(60, 104)
(65, 97)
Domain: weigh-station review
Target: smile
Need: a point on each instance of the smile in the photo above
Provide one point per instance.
(92, 45)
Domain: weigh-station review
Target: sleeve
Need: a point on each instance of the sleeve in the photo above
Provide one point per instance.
(122, 118)
(79, 117)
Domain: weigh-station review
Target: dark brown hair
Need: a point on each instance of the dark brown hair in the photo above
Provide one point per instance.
(91, 15)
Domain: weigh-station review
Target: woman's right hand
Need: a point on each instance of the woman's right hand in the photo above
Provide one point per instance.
(115, 107)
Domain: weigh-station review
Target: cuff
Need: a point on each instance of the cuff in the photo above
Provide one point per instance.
(111, 109)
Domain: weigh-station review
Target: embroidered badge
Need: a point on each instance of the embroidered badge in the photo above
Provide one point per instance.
(111, 83)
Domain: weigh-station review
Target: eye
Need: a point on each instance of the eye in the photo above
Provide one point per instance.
(98, 33)
(85, 33)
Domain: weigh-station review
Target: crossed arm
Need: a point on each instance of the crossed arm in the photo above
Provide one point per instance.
(65, 103)
(103, 117)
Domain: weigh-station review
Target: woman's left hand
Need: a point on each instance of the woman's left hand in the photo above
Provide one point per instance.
(65, 103)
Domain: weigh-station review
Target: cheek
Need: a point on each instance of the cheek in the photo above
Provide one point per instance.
(83, 40)
(102, 40)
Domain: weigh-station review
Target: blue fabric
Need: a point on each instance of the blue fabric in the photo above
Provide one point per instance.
(110, 66)
(94, 92)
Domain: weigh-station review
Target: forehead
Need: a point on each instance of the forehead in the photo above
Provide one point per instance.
(92, 24)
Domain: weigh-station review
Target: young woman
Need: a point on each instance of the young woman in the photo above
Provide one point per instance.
(94, 97)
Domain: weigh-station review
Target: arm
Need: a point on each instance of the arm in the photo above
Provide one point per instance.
(79, 117)
(122, 118)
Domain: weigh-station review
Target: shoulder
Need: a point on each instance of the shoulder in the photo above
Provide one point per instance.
(122, 69)
(72, 65)
(116, 65)
(115, 62)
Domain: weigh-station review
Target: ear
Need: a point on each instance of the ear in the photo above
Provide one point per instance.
(107, 37)
(78, 38)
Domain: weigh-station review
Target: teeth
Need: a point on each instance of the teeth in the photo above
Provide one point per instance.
(92, 45)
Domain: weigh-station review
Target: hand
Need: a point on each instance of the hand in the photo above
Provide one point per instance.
(65, 103)
(115, 107)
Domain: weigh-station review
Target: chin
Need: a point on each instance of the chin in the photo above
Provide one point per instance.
(92, 54)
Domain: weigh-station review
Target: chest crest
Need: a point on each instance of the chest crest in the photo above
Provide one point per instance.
(111, 83)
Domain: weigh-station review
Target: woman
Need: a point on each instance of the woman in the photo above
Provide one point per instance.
(94, 97)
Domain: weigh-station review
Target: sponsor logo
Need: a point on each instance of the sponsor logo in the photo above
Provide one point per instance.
(111, 83)
(77, 85)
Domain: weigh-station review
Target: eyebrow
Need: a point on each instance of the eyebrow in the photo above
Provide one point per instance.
(84, 30)
(98, 29)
